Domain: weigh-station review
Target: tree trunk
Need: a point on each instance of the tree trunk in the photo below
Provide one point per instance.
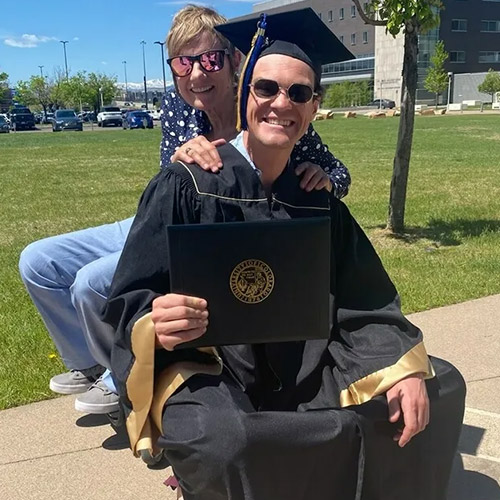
(401, 166)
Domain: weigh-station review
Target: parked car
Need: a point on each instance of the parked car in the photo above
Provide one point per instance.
(21, 118)
(87, 116)
(4, 125)
(7, 119)
(109, 115)
(154, 113)
(137, 119)
(47, 118)
(66, 119)
(383, 103)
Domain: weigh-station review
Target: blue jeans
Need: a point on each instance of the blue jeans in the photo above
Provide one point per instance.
(68, 278)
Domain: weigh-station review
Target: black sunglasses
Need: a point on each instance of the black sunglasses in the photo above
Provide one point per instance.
(211, 61)
(297, 92)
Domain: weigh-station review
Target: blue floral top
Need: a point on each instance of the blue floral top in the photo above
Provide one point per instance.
(181, 122)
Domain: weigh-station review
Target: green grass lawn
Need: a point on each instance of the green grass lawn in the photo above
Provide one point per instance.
(54, 183)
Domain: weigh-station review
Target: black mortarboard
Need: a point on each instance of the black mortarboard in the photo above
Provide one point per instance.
(299, 34)
(304, 31)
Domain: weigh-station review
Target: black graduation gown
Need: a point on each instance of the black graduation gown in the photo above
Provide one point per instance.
(371, 347)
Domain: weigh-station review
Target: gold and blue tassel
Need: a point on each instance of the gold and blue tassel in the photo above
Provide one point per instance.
(258, 42)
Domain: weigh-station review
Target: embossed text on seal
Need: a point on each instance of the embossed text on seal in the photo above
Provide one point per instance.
(252, 281)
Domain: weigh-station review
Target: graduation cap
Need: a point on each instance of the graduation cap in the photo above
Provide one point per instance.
(299, 34)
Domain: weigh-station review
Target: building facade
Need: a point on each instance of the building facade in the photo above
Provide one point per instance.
(343, 19)
(470, 30)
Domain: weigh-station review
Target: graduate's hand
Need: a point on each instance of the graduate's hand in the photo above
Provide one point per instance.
(178, 318)
(408, 398)
(201, 151)
(314, 177)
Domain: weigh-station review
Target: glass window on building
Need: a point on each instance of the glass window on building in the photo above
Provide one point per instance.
(341, 13)
(319, 15)
(353, 11)
(353, 38)
(457, 56)
(489, 56)
(490, 26)
(341, 38)
(365, 7)
(330, 15)
(365, 36)
(459, 25)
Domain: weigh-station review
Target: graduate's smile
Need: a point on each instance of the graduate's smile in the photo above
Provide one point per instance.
(277, 122)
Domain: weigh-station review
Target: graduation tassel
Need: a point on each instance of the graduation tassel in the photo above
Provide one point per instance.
(246, 74)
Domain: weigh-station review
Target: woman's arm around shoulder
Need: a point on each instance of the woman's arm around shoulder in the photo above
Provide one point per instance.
(310, 148)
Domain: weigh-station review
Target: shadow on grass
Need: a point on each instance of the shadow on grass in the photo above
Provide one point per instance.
(445, 232)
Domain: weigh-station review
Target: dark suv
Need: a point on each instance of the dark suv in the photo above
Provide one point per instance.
(22, 119)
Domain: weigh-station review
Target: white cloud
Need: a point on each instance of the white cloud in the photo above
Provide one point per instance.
(27, 41)
(75, 39)
(104, 63)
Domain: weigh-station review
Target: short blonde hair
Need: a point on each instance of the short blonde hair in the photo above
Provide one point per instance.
(189, 23)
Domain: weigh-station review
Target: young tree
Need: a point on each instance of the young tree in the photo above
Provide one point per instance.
(37, 90)
(24, 94)
(101, 85)
(436, 80)
(491, 83)
(412, 17)
(57, 89)
(4, 91)
(75, 91)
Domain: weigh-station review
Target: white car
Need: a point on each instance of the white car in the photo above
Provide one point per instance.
(6, 118)
(154, 113)
(109, 115)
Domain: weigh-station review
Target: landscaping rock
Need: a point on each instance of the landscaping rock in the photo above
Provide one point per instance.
(376, 114)
(324, 114)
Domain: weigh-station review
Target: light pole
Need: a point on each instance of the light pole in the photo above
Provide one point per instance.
(41, 70)
(144, 67)
(450, 76)
(64, 42)
(126, 83)
(161, 44)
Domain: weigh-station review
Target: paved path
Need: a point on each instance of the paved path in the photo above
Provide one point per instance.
(45, 456)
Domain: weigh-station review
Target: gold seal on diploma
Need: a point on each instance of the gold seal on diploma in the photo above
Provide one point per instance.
(251, 281)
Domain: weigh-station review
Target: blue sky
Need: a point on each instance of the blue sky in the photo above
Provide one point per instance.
(100, 33)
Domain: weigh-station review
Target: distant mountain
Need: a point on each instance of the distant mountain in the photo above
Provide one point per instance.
(155, 84)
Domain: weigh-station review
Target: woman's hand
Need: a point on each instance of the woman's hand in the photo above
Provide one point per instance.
(314, 177)
(201, 151)
(178, 318)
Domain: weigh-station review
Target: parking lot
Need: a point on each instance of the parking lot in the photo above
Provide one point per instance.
(86, 127)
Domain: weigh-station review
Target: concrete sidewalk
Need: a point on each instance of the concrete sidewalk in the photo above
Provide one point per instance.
(45, 456)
